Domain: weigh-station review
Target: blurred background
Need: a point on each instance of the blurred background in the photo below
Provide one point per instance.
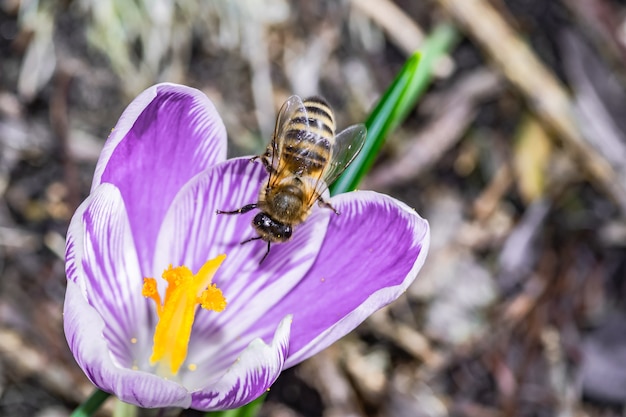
(516, 155)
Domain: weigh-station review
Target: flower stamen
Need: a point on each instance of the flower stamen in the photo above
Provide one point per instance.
(185, 291)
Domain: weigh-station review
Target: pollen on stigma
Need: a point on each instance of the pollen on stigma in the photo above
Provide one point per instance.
(185, 291)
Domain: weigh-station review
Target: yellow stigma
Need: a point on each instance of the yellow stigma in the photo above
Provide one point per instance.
(185, 291)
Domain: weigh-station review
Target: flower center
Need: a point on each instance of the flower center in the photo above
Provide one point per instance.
(185, 291)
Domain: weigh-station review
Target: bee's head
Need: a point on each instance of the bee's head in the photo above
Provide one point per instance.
(271, 230)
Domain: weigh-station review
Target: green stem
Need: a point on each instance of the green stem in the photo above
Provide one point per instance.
(123, 409)
(91, 405)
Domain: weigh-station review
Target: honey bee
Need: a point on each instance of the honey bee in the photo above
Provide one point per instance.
(303, 158)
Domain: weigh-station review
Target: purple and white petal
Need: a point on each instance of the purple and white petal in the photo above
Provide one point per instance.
(371, 254)
(84, 328)
(193, 233)
(101, 259)
(166, 136)
(158, 183)
(251, 374)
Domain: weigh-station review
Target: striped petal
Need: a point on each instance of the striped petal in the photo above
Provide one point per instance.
(101, 260)
(166, 136)
(84, 329)
(371, 253)
(106, 319)
(193, 233)
(159, 181)
(250, 376)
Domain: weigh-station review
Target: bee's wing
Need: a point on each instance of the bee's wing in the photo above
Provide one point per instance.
(347, 145)
(290, 107)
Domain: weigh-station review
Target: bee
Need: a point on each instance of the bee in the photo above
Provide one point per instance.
(303, 158)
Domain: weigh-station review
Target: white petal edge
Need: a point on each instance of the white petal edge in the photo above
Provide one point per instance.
(83, 329)
(109, 252)
(373, 302)
(252, 374)
(134, 110)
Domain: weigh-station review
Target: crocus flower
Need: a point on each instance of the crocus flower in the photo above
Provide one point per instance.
(219, 335)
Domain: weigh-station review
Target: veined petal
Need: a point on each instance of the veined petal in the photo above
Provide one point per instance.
(192, 233)
(101, 260)
(166, 136)
(84, 329)
(250, 376)
(371, 253)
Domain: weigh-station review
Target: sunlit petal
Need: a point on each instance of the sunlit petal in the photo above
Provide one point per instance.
(101, 259)
(189, 236)
(84, 328)
(159, 181)
(165, 137)
(253, 372)
(370, 255)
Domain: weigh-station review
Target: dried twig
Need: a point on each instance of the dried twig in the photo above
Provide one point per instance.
(30, 362)
(454, 116)
(488, 200)
(339, 396)
(60, 125)
(539, 86)
(409, 339)
(401, 29)
(602, 18)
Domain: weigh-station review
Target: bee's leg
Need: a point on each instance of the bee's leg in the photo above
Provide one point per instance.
(326, 204)
(266, 253)
(257, 238)
(242, 210)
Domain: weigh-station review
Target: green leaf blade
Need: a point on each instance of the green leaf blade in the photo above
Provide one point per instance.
(395, 105)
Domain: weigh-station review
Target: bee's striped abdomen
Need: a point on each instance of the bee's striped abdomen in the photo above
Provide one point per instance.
(309, 138)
